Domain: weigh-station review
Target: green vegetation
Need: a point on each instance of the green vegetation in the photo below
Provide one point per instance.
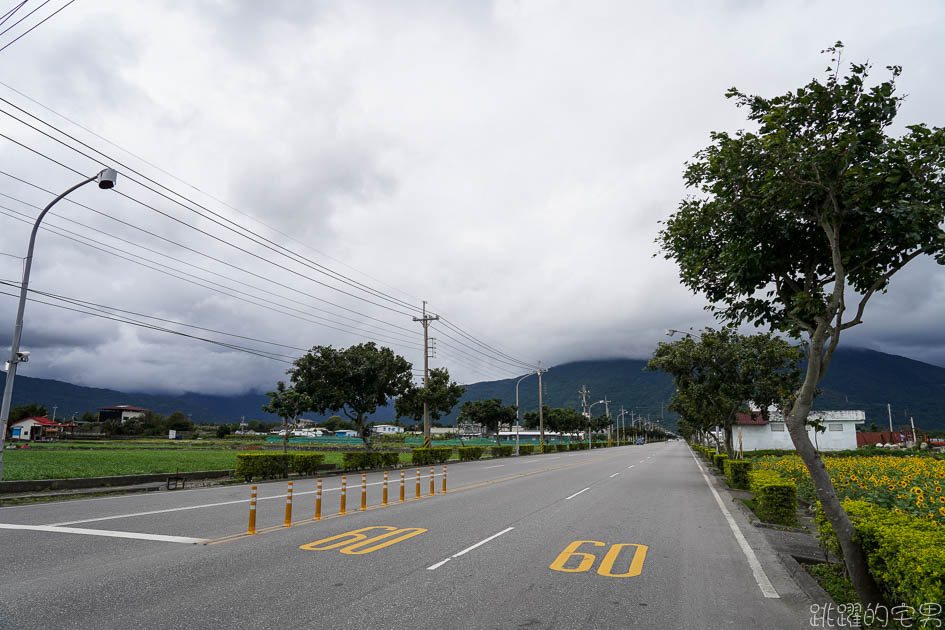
(251, 466)
(833, 579)
(736, 473)
(361, 460)
(905, 553)
(470, 453)
(47, 464)
(775, 497)
(429, 456)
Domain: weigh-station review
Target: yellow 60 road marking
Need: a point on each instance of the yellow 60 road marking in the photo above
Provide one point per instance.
(356, 543)
(607, 564)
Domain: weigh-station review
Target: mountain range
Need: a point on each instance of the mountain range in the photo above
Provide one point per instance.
(857, 379)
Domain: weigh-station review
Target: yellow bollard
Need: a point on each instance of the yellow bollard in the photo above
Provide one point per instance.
(318, 501)
(384, 499)
(363, 491)
(344, 483)
(432, 482)
(401, 486)
(288, 507)
(418, 483)
(444, 478)
(252, 513)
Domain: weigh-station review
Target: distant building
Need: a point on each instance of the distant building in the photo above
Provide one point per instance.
(758, 434)
(346, 433)
(33, 428)
(386, 428)
(120, 413)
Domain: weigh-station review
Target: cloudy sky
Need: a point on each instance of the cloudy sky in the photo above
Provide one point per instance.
(506, 161)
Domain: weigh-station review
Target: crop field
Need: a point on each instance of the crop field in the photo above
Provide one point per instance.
(34, 463)
(911, 485)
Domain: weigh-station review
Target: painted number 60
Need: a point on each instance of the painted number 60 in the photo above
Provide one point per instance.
(586, 560)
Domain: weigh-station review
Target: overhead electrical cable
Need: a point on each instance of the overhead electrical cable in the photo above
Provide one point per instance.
(208, 256)
(6, 16)
(241, 231)
(133, 258)
(38, 24)
(260, 353)
(205, 270)
(200, 191)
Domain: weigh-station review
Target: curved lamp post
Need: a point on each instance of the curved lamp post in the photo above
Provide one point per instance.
(106, 179)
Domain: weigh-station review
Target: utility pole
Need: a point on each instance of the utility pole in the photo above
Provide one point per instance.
(620, 421)
(541, 413)
(607, 413)
(889, 412)
(425, 320)
(583, 392)
(54, 412)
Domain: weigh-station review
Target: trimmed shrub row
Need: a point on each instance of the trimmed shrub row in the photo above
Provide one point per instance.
(775, 497)
(905, 553)
(502, 451)
(736, 472)
(251, 466)
(369, 459)
(562, 447)
(469, 453)
(719, 461)
(526, 449)
(429, 456)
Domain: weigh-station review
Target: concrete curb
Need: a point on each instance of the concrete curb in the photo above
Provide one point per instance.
(39, 485)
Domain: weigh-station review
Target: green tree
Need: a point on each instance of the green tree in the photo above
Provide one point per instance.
(355, 381)
(177, 421)
(816, 206)
(33, 410)
(719, 372)
(439, 394)
(489, 413)
(288, 404)
(224, 430)
(337, 423)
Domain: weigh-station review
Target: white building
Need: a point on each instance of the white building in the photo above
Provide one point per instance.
(758, 434)
(387, 428)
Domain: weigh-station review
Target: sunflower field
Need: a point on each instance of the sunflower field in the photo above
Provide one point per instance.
(907, 485)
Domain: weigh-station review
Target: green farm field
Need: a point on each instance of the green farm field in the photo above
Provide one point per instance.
(31, 463)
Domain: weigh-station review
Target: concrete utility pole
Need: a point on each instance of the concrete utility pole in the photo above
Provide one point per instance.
(54, 412)
(607, 413)
(889, 412)
(541, 412)
(583, 392)
(425, 320)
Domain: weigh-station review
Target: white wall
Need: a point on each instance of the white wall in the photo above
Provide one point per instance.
(761, 436)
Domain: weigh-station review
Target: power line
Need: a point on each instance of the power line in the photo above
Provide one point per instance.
(260, 353)
(250, 235)
(40, 23)
(198, 190)
(477, 350)
(205, 270)
(3, 32)
(112, 251)
(205, 255)
(6, 16)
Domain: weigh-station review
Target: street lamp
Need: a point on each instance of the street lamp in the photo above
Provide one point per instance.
(106, 179)
(518, 424)
(589, 416)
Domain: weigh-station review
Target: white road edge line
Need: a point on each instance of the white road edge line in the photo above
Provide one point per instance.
(105, 532)
(630, 466)
(576, 493)
(614, 475)
(767, 589)
(468, 549)
(496, 466)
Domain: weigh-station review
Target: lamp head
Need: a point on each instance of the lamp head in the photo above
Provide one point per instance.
(107, 178)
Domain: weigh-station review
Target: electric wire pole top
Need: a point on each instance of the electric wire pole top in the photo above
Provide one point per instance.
(425, 320)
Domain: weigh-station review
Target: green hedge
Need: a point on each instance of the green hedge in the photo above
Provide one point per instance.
(526, 449)
(577, 446)
(470, 453)
(562, 447)
(429, 456)
(501, 451)
(775, 497)
(905, 553)
(599, 445)
(719, 461)
(251, 466)
(736, 472)
(369, 459)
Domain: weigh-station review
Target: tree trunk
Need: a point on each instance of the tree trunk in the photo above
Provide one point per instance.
(853, 557)
(365, 434)
(729, 446)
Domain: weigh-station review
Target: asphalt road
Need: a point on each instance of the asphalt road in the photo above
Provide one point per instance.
(501, 549)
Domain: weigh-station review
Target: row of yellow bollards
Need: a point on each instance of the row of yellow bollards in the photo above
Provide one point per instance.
(344, 489)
